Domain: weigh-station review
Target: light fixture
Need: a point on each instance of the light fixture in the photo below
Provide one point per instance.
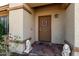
(56, 15)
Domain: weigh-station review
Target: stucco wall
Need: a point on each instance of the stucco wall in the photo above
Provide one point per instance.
(77, 25)
(16, 29)
(69, 24)
(76, 44)
(16, 23)
(28, 26)
(57, 26)
(21, 23)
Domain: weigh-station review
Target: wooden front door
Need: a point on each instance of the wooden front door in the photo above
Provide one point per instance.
(44, 28)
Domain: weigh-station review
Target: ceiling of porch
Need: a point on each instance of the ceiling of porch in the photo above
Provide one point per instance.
(35, 5)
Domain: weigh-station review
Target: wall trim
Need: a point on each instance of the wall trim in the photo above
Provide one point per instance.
(20, 7)
(15, 8)
(3, 8)
(4, 13)
(76, 49)
(7, 8)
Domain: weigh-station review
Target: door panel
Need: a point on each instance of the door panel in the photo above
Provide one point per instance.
(44, 28)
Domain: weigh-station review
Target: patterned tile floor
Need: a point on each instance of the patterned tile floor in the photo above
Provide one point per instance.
(44, 49)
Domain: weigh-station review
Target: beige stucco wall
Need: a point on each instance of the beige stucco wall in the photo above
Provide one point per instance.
(77, 25)
(21, 23)
(72, 26)
(76, 44)
(16, 22)
(28, 26)
(16, 29)
(57, 26)
(69, 24)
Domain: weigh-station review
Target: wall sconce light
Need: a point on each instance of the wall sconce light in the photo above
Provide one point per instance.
(56, 15)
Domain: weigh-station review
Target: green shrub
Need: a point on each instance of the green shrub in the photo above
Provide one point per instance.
(1, 31)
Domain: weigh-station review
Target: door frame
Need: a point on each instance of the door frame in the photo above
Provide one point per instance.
(50, 27)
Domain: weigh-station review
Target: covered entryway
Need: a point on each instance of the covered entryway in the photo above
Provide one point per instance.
(45, 23)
